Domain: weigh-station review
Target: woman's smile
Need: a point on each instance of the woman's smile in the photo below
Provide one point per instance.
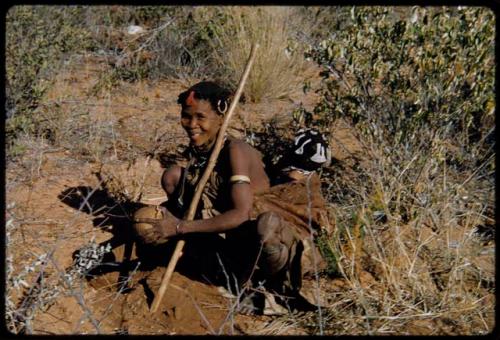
(194, 136)
(194, 133)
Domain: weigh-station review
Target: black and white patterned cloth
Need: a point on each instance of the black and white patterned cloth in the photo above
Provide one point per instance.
(310, 151)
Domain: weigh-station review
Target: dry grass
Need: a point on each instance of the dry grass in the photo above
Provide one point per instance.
(424, 272)
(279, 66)
(422, 269)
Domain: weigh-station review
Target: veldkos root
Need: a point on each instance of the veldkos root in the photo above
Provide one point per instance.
(142, 229)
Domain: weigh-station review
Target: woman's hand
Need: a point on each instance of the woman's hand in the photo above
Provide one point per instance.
(162, 228)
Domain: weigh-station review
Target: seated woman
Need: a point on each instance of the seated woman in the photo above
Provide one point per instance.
(229, 202)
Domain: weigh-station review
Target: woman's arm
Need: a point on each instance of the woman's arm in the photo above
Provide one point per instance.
(241, 197)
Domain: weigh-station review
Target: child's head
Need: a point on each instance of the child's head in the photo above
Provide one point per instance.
(309, 152)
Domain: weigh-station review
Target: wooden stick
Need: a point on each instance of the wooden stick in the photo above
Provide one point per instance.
(201, 184)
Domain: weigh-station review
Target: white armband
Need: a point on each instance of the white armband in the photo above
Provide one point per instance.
(235, 179)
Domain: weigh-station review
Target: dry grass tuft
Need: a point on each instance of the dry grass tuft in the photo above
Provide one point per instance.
(279, 66)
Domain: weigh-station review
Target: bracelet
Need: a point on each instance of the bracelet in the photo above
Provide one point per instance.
(177, 231)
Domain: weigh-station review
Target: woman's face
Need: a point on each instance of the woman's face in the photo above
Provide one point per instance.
(201, 123)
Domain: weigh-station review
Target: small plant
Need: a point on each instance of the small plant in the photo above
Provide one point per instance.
(330, 255)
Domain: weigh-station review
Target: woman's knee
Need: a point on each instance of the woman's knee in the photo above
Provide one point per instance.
(170, 178)
(274, 253)
(269, 226)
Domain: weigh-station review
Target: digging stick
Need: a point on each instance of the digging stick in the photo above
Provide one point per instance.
(201, 184)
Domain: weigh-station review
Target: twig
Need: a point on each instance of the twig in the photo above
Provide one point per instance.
(141, 186)
(147, 42)
(477, 170)
(23, 317)
(123, 286)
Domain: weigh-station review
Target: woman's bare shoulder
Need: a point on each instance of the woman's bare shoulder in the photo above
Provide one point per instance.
(242, 152)
(241, 145)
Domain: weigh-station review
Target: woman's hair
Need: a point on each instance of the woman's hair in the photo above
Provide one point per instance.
(207, 90)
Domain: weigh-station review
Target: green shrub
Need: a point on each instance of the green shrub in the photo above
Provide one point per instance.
(330, 255)
(409, 74)
(417, 85)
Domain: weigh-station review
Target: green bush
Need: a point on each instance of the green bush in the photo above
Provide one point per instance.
(417, 84)
(402, 75)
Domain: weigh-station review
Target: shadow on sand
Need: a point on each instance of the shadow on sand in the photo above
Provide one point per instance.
(199, 261)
